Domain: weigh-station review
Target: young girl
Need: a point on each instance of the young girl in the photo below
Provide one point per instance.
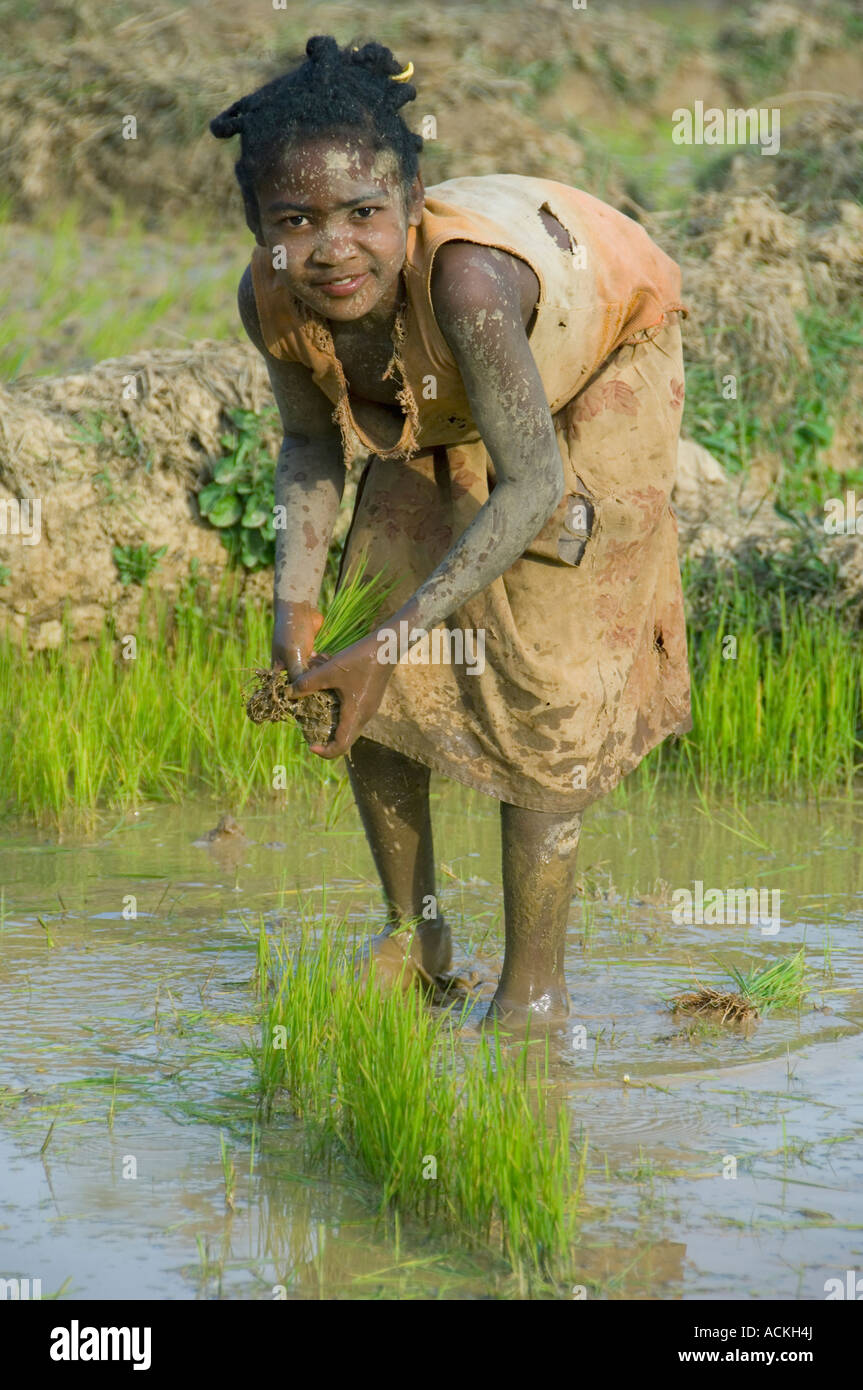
(507, 350)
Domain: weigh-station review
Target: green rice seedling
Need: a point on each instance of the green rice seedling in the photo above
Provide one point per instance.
(355, 606)
(97, 728)
(354, 609)
(262, 976)
(229, 1173)
(785, 714)
(781, 985)
(462, 1137)
(48, 937)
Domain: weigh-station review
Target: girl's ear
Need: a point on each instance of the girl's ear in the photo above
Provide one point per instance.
(416, 201)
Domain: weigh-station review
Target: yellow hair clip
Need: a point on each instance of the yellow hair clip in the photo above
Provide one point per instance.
(404, 76)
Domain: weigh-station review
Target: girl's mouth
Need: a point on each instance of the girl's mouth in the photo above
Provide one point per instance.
(339, 288)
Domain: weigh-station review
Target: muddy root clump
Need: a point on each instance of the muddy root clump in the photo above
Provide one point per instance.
(271, 701)
(720, 1006)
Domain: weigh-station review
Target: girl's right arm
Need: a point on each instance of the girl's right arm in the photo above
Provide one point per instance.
(310, 478)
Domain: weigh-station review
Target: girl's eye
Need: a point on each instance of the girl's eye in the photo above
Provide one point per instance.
(367, 209)
(294, 218)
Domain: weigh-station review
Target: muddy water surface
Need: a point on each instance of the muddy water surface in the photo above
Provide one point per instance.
(728, 1165)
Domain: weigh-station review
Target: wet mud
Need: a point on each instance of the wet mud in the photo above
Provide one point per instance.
(317, 714)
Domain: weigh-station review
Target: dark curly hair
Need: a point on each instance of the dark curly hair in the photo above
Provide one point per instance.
(335, 89)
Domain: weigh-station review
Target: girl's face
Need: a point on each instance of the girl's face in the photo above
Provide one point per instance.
(334, 213)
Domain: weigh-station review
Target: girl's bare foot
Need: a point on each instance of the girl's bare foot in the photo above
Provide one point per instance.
(403, 958)
(431, 946)
(542, 1008)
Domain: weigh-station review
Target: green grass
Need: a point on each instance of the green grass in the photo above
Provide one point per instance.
(463, 1137)
(657, 174)
(798, 434)
(777, 677)
(781, 985)
(58, 307)
(784, 715)
(99, 728)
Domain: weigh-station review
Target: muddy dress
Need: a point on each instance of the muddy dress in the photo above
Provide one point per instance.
(585, 664)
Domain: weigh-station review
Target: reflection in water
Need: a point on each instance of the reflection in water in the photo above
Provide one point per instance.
(727, 1164)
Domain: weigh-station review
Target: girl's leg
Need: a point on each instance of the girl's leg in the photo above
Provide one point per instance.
(539, 851)
(392, 795)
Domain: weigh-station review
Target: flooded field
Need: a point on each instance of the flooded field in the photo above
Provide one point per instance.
(722, 1163)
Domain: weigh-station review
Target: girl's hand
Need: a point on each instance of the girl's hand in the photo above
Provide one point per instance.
(295, 628)
(360, 680)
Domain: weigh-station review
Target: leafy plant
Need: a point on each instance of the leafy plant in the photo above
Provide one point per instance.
(239, 499)
(5, 575)
(135, 563)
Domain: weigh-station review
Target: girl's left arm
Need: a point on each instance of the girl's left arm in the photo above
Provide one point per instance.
(477, 302)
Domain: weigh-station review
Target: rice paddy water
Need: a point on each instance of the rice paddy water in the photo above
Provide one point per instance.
(161, 1137)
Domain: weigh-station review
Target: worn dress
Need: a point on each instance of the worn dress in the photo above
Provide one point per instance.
(585, 663)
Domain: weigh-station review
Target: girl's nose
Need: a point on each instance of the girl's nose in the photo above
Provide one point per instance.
(332, 246)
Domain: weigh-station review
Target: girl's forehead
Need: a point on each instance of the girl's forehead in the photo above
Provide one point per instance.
(333, 163)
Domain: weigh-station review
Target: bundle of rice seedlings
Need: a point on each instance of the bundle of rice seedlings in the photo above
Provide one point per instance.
(777, 986)
(718, 1005)
(350, 617)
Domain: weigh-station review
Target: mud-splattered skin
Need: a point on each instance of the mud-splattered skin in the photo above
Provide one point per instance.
(483, 301)
(306, 214)
(339, 210)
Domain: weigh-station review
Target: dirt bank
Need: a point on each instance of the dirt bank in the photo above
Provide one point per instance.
(116, 456)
